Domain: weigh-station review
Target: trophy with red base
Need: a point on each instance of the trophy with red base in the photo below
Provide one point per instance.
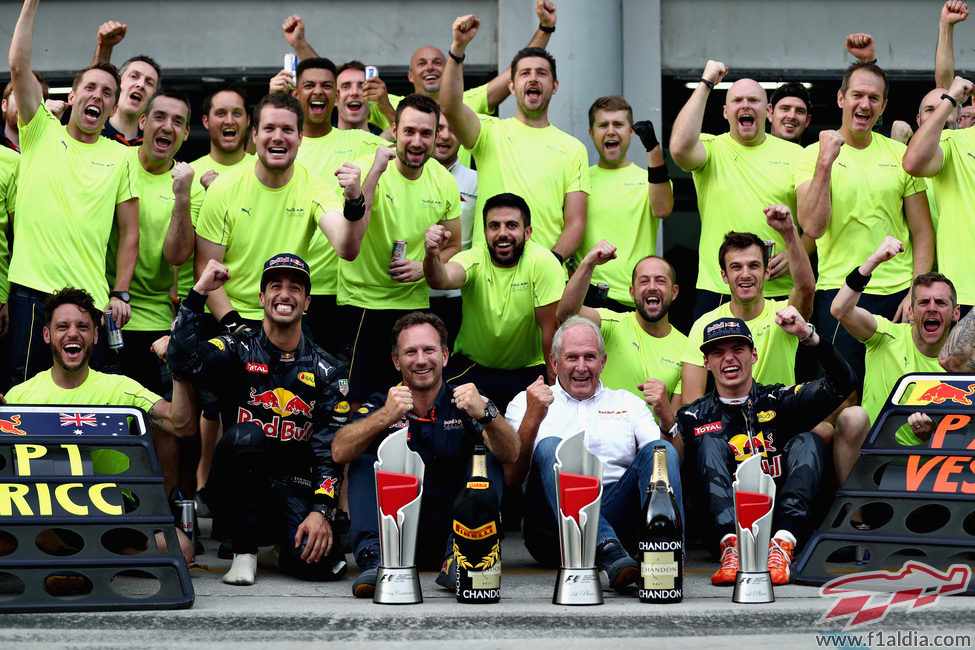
(399, 490)
(579, 488)
(754, 499)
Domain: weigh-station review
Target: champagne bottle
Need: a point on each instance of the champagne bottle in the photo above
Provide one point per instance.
(661, 545)
(477, 545)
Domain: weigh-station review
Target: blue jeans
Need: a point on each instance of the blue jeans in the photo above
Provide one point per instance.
(621, 505)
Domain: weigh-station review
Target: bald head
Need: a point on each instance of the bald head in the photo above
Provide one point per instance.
(746, 108)
(930, 102)
(426, 69)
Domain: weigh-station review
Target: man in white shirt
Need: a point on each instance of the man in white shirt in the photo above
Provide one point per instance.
(620, 429)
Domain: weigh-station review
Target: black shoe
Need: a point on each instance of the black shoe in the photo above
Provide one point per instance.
(202, 509)
(448, 574)
(365, 585)
(620, 568)
(226, 550)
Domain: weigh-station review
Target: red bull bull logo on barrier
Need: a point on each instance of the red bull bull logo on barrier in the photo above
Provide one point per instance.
(932, 391)
(942, 392)
(12, 426)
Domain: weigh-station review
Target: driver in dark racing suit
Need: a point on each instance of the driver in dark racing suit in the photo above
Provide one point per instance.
(719, 428)
(273, 479)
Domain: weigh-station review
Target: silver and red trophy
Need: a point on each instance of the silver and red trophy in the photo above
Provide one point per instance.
(399, 490)
(754, 500)
(578, 479)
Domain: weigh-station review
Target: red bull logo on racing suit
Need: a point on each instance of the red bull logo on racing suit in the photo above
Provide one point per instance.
(282, 403)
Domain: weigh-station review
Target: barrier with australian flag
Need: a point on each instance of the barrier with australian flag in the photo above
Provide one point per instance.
(82, 504)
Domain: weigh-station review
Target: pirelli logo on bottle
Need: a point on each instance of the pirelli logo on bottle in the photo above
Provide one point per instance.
(481, 532)
(478, 485)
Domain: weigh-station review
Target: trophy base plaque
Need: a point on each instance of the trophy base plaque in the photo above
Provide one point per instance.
(397, 586)
(577, 587)
(752, 587)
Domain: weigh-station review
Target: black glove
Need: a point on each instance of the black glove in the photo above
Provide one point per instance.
(644, 129)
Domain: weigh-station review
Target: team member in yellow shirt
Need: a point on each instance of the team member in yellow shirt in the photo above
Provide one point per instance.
(323, 150)
(170, 200)
(510, 287)
(226, 120)
(523, 155)
(375, 289)
(73, 188)
(736, 175)
(426, 70)
(274, 205)
(892, 349)
(643, 349)
(852, 191)
(744, 267)
(944, 157)
(623, 199)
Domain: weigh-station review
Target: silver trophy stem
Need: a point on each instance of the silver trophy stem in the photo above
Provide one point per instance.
(397, 582)
(753, 584)
(577, 582)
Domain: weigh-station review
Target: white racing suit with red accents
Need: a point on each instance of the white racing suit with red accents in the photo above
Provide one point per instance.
(280, 412)
(780, 419)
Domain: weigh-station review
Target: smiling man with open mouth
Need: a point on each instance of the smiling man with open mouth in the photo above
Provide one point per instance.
(892, 349)
(744, 266)
(736, 175)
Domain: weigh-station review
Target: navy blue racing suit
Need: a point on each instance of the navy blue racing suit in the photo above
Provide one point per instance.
(780, 419)
(280, 412)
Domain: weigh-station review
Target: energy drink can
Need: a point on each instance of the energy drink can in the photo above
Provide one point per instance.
(371, 71)
(769, 247)
(113, 332)
(187, 517)
(602, 290)
(399, 250)
(291, 65)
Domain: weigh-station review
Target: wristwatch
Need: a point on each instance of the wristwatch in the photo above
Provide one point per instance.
(121, 295)
(324, 510)
(490, 412)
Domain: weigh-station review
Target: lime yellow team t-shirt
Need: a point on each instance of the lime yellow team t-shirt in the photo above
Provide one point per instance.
(255, 222)
(867, 191)
(539, 165)
(954, 188)
(9, 164)
(153, 276)
(321, 157)
(66, 197)
(632, 355)
(734, 185)
(97, 389)
(475, 98)
(498, 328)
(776, 349)
(891, 354)
(402, 210)
(200, 167)
(619, 212)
